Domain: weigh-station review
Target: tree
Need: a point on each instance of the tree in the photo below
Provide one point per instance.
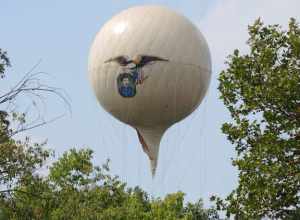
(4, 62)
(18, 159)
(21, 158)
(261, 90)
(75, 189)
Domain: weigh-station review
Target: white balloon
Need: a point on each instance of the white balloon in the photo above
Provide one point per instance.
(150, 68)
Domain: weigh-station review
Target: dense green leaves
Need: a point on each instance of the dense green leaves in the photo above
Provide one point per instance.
(75, 189)
(262, 92)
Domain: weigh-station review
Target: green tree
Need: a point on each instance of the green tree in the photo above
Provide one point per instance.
(261, 90)
(75, 189)
(19, 160)
(4, 62)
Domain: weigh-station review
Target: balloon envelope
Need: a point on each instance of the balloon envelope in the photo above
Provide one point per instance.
(150, 68)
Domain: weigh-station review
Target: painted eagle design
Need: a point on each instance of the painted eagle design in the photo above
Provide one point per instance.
(139, 60)
(132, 74)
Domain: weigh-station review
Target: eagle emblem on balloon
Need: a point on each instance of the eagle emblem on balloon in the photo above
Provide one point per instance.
(132, 74)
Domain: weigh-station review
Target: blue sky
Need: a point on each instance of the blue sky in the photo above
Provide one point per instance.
(194, 155)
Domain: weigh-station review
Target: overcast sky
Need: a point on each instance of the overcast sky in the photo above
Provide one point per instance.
(194, 155)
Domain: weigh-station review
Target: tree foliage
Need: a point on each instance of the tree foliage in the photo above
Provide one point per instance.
(261, 90)
(75, 189)
(4, 62)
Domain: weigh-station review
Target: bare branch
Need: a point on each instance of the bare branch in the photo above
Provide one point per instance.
(25, 128)
(32, 87)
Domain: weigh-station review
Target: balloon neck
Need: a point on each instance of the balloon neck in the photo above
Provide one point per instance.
(150, 140)
(153, 164)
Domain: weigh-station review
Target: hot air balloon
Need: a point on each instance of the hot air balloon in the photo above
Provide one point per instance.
(149, 67)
